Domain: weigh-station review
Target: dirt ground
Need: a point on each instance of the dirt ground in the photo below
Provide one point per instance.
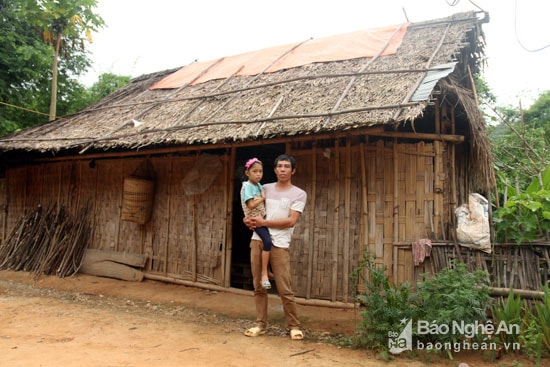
(94, 321)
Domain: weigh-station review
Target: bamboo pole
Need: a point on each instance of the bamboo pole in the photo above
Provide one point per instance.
(395, 209)
(494, 291)
(347, 219)
(336, 225)
(311, 225)
(168, 220)
(395, 193)
(227, 258)
(364, 230)
(120, 204)
(94, 203)
(454, 195)
(364, 225)
(195, 241)
(4, 199)
(213, 287)
(371, 131)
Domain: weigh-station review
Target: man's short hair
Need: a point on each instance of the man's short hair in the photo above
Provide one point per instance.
(287, 158)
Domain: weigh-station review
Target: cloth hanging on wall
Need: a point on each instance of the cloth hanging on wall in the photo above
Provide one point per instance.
(207, 167)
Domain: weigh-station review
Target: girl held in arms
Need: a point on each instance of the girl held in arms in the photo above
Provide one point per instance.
(253, 203)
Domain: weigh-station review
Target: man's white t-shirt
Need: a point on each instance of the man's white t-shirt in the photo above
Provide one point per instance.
(278, 204)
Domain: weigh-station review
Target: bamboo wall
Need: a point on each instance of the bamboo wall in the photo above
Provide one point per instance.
(375, 195)
(185, 238)
(380, 196)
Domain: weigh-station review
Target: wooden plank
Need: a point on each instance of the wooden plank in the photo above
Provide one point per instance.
(112, 269)
(126, 258)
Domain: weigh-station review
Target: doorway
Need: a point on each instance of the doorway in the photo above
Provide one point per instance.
(241, 275)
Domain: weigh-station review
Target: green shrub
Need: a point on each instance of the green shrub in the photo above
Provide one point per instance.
(524, 218)
(453, 295)
(535, 336)
(383, 306)
(543, 317)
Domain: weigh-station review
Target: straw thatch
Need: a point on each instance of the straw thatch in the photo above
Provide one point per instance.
(312, 99)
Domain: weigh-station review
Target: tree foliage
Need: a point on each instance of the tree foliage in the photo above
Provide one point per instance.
(24, 70)
(65, 25)
(521, 146)
(521, 142)
(26, 65)
(106, 84)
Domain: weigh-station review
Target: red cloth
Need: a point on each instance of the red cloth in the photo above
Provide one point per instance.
(421, 250)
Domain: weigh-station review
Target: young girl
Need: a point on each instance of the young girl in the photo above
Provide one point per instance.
(252, 201)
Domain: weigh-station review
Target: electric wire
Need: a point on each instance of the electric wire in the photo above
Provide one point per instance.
(516, 32)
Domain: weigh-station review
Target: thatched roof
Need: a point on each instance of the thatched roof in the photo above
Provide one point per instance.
(319, 97)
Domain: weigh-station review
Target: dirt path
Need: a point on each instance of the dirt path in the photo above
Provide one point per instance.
(90, 321)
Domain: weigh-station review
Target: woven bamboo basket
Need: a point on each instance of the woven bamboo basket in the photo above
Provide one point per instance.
(137, 199)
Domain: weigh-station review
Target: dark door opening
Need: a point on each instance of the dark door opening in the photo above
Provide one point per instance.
(241, 276)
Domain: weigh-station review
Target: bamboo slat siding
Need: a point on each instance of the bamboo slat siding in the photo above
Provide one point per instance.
(363, 195)
(338, 207)
(525, 266)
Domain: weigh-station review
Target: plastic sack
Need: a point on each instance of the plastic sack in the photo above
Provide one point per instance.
(473, 229)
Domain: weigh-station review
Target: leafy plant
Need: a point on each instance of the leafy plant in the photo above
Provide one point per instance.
(384, 306)
(524, 218)
(508, 311)
(454, 294)
(542, 310)
(531, 337)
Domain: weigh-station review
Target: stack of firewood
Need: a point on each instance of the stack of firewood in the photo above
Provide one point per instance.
(49, 241)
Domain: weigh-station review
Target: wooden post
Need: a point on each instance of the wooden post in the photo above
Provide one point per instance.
(454, 197)
(395, 193)
(227, 256)
(364, 230)
(311, 225)
(347, 218)
(195, 240)
(168, 194)
(394, 256)
(336, 226)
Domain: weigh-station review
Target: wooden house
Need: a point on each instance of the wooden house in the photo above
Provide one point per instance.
(384, 125)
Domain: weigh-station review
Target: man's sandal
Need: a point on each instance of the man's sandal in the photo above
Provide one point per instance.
(296, 334)
(254, 331)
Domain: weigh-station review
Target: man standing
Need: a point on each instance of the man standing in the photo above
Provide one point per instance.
(284, 204)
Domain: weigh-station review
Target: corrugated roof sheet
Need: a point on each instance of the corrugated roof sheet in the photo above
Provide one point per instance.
(427, 85)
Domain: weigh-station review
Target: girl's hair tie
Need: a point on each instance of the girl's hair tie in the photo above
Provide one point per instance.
(251, 161)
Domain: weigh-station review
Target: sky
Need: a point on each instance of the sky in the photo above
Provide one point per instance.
(142, 37)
